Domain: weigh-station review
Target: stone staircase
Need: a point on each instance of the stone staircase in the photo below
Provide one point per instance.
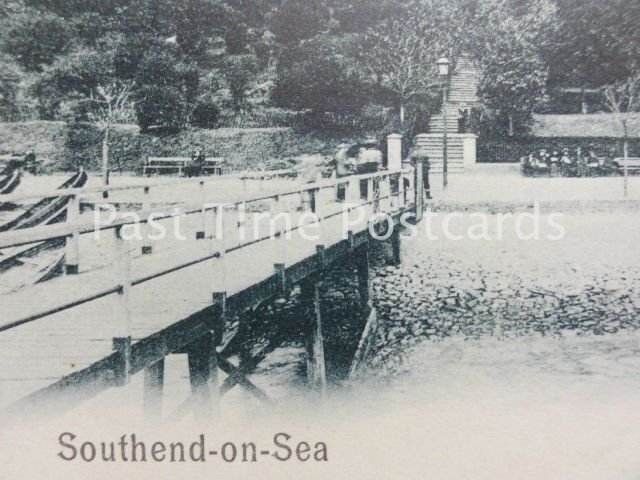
(462, 92)
(463, 88)
(432, 144)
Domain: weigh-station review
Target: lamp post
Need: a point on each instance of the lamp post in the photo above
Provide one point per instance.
(443, 71)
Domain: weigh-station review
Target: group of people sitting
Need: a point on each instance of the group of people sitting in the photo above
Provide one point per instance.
(565, 163)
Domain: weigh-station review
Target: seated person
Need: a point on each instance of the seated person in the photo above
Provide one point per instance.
(370, 157)
(592, 159)
(194, 168)
(541, 162)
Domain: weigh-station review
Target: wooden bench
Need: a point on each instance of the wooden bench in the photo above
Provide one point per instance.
(633, 163)
(158, 165)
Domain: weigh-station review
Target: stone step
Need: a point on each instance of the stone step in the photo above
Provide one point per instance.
(451, 120)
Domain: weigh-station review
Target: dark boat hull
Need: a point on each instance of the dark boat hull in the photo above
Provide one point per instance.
(42, 212)
(9, 183)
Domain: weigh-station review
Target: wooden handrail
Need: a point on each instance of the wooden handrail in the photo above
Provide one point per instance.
(73, 229)
(14, 238)
(116, 288)
(17, 198)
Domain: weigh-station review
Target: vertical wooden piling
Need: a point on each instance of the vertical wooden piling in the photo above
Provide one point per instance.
(153, 391)
(203, 363)
(122, 346)
(314, 342)
(362, 266)
(203, 376)
(395, 246)
(369, 316)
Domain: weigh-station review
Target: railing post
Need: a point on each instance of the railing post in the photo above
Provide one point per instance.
(370, 192)
(122, 343)
(385, 192)
(353, 191)
(147, 249)
(280, 236)
(401, 192)
(241, 209)
(313, 201)
(219, 241)
(72, 247)
(200, 234)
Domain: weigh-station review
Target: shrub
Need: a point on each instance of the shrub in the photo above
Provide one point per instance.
(205, 115)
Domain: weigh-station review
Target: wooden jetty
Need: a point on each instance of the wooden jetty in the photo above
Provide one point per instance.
(66, 340)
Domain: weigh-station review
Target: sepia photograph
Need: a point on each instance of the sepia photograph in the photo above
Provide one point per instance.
(314, 239)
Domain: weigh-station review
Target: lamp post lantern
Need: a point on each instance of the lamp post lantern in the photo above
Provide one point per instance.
(443, 71)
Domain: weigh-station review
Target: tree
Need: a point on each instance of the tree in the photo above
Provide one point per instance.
(508, 40)
(110, 103)
(166, 89)
(240, 71)
(401, 51)
(87, 80)
(36, 38)
(597, 43)
(316, 76)
(9, 86)
(623, 100)
(298, 20)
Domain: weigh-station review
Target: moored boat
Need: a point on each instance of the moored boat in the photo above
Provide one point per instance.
(48, 210)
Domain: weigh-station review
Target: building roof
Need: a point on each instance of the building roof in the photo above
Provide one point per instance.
(591, 125)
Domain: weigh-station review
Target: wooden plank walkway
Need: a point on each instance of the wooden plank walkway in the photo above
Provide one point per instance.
(36, 354)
